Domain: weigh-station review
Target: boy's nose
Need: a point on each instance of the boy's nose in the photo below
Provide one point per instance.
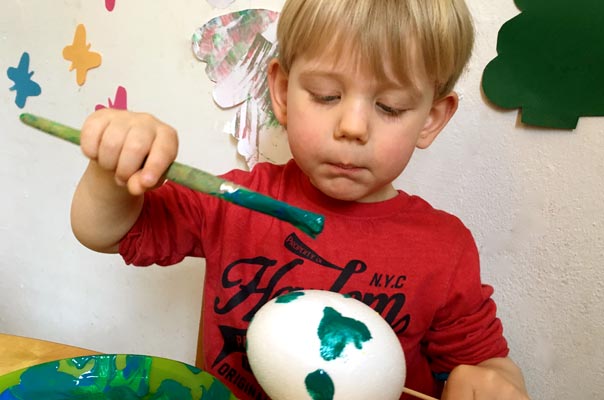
(353, 123)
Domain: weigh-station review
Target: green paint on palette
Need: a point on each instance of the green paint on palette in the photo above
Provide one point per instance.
(307, 221)
(170, 389)
(336, 332)
(289, 297)
(113, 377)
(319, 385)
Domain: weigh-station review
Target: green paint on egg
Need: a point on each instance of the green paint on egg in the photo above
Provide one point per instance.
(319, 385)
(289, 297)
(336, 332)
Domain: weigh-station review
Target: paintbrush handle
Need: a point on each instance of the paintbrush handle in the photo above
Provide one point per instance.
(307, 221)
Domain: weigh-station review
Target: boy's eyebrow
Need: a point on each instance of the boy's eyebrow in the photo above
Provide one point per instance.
(410, 89)
(313, 73)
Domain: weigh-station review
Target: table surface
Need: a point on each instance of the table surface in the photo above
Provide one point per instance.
(18, 352)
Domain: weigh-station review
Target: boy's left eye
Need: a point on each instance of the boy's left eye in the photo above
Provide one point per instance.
(324, 98)
(391, 111)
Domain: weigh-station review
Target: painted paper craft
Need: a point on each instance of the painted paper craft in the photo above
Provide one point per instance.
(236, 48)
(119, 103)
(549, 62)
(24, 86)
(82, 59)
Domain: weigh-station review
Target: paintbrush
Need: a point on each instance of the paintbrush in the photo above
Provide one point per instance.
(306, 221)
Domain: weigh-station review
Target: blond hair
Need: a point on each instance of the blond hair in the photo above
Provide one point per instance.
(383, 33)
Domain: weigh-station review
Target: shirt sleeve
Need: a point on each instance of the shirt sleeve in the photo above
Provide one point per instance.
(167, 230)
(465, 329)
(176, 221)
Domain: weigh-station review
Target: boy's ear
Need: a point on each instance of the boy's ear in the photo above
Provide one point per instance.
(440, 114)
(277, 84)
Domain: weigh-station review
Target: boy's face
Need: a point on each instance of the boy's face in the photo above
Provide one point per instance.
(351, 133)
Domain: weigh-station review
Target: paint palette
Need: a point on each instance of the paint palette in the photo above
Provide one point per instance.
(112, 377)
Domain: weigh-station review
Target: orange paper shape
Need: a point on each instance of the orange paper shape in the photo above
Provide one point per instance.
(82, 59)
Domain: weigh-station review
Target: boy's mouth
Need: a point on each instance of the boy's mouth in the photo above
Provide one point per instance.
(346, 167)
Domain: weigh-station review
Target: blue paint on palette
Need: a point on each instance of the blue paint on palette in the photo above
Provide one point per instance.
(112, 377)
(24, 86)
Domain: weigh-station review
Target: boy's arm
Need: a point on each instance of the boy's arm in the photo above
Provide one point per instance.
(101, 211)
(129, 153)
(495, 378)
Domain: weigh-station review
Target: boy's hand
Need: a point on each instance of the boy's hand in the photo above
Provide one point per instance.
(494, 379)
(136, 147)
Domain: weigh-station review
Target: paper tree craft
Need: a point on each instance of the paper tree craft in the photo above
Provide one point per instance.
(549, 62)
(237, 48)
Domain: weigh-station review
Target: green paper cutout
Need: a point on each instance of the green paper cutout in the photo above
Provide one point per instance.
(549, 62)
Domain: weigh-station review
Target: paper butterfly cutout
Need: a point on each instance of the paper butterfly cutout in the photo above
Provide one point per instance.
(120, 102)
(109, 5)
(24, 86)
(82, 59)
(237, 48)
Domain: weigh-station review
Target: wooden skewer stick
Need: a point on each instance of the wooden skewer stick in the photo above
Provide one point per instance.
(418, 394)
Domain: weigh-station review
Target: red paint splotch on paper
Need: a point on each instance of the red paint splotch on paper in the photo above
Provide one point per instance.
(120, 101)
(109, 5)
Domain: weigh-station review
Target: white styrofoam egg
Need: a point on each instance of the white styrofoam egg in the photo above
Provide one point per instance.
(321, 345)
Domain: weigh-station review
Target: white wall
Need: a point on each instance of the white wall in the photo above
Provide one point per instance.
(532, 197)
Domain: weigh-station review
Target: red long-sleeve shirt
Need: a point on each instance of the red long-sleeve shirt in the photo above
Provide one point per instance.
(416, 265)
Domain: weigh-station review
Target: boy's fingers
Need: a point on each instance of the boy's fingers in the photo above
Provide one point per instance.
(110, 146)
(135, 150)
(454, 391)
(163, 153)
(91, 134)
(137, 147)
(134, 184)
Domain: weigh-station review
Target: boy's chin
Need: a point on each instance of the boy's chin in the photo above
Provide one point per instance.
(351, 194)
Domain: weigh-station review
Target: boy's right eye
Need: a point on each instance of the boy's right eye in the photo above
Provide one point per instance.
(324, 98)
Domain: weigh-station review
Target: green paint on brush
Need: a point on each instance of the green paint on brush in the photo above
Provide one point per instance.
(319, 385)
(336, 332)
(307, 221)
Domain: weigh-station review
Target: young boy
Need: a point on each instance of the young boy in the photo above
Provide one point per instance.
(358, 86)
